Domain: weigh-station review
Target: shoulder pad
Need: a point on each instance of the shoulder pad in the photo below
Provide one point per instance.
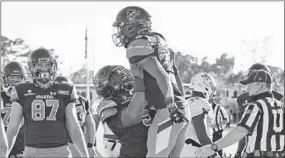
(159, 35)
(105, 104)
(198, 106)
(106, 109)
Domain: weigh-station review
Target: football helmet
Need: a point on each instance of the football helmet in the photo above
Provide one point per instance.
(130, 22)
(112, 81)
(13, 73)
(61, 78)
(205, 84)
(42, 65)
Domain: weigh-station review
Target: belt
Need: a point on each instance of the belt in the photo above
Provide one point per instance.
(110, 136)
(258, 153)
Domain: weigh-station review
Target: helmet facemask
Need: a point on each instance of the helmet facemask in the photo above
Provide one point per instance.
(44, 70)
(130, 22)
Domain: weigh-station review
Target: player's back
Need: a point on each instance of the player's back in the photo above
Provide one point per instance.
(198, 106)
(44, 113)
(154, 96)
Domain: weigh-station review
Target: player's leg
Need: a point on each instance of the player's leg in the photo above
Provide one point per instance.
(162, 135)
(73, 150)
(180, 142)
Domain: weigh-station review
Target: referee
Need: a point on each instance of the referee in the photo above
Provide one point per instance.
(244, 98)
(262, 121)
(220, 120)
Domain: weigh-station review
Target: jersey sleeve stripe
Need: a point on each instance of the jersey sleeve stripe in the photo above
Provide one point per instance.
(139, 51)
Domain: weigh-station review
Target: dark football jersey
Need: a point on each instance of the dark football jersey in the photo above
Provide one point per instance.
(155, 45)
(244, 98)
(18, 147)
(44, 112)
(133, 139)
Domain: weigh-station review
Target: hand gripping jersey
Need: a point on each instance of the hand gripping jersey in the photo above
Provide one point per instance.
(5, 114)
(153, 44)
(198, 106)
(133, 139)
(44, 112)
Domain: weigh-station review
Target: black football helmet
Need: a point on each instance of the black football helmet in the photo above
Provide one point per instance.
(12, 74)
(61, 78)
(130, 22)
(42, 65)
(114, 81)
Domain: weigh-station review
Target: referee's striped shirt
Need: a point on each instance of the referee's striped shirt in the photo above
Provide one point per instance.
(264, 117)
(220, 118)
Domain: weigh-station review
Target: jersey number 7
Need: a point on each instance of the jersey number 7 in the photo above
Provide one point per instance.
(39, 110)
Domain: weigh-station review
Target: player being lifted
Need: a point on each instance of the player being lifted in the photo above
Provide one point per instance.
(124, 111)
(148, 50)
(199, 132)
(48, 109)
(85, 120)
(13, 73)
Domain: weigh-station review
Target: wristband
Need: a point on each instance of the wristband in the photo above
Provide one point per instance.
(90, 145)
(138, 85)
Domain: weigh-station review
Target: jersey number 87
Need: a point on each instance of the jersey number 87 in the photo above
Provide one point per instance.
(39, 110)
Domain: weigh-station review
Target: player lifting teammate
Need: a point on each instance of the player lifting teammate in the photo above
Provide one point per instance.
(48, 109)
(148, 50)
(13, 73)
(124, 111)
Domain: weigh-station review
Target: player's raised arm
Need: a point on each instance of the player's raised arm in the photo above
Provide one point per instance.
(74, 129)
(133, 114)
(16, 117)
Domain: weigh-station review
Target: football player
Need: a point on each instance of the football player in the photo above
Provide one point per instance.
(3, 138)
(124, 111)
(199, 132)
(48, 109)
(85, 120)
(244, 98)
(111, 144)
(149, 51)
(13, 73)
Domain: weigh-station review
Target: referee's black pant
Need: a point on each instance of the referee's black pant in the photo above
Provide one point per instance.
(216, 136)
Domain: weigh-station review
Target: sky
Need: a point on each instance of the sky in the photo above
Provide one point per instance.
(245, 30)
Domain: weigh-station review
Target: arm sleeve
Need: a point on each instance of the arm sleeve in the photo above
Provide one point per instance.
(250, 117)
